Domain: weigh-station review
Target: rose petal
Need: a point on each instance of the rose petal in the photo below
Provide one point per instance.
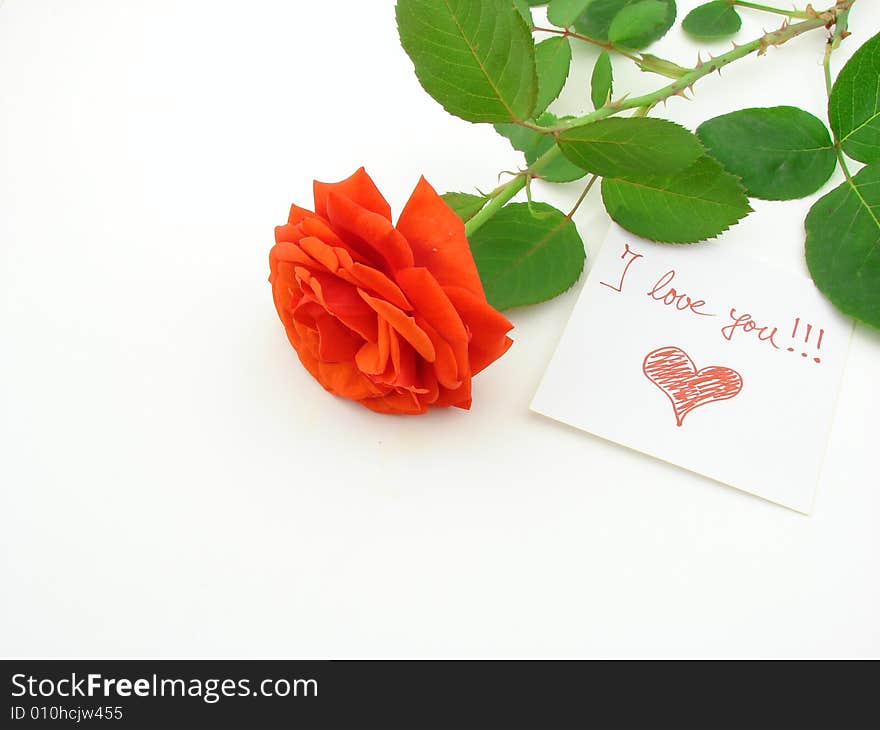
(487, 325)
(428, 382)
(319, 229)
(289, 232)
(340, 378)
(403, 359)
(402, 323)
(321, 252)
(289, 253)
(396, 403)
(365, 228)
(359, 188)
(460, 397)
(429, 300)
(343, 302)
(336, 342)
(436, 236)
(298, 214)
(373, 279)
(344, 257)
(432, 303)
(445, 362)
(372, 357)
(307, 311)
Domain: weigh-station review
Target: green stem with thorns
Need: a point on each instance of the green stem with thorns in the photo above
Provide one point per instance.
(826, 19)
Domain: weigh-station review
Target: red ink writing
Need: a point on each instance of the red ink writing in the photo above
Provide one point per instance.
(809, 332)
(672, 370)
(745, 323)
(806, 338)
(632, 255)
(663, 291)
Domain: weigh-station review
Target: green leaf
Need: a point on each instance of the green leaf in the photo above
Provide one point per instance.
(475, 57)
(630, 146)
(527, 253)
(598, 16)
(717, 19)
(694, 204)
(534, 144)
(562, 13)
(843, 245)
(854, 106)
(637, 21)
(780, 152)
(523, 7)
(552, 61)
(602, 80)
(465, 205)
(657, 65)
(522, 138)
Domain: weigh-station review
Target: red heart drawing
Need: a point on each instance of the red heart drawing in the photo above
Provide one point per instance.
(672, 370)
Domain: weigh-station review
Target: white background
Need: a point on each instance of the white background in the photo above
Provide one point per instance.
(174, 483)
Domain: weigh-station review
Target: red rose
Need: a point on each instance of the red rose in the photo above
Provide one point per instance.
(392, 317)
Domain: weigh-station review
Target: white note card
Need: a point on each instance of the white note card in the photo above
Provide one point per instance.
(705, 358)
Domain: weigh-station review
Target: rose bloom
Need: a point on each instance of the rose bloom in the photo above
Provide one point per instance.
(392, 317)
